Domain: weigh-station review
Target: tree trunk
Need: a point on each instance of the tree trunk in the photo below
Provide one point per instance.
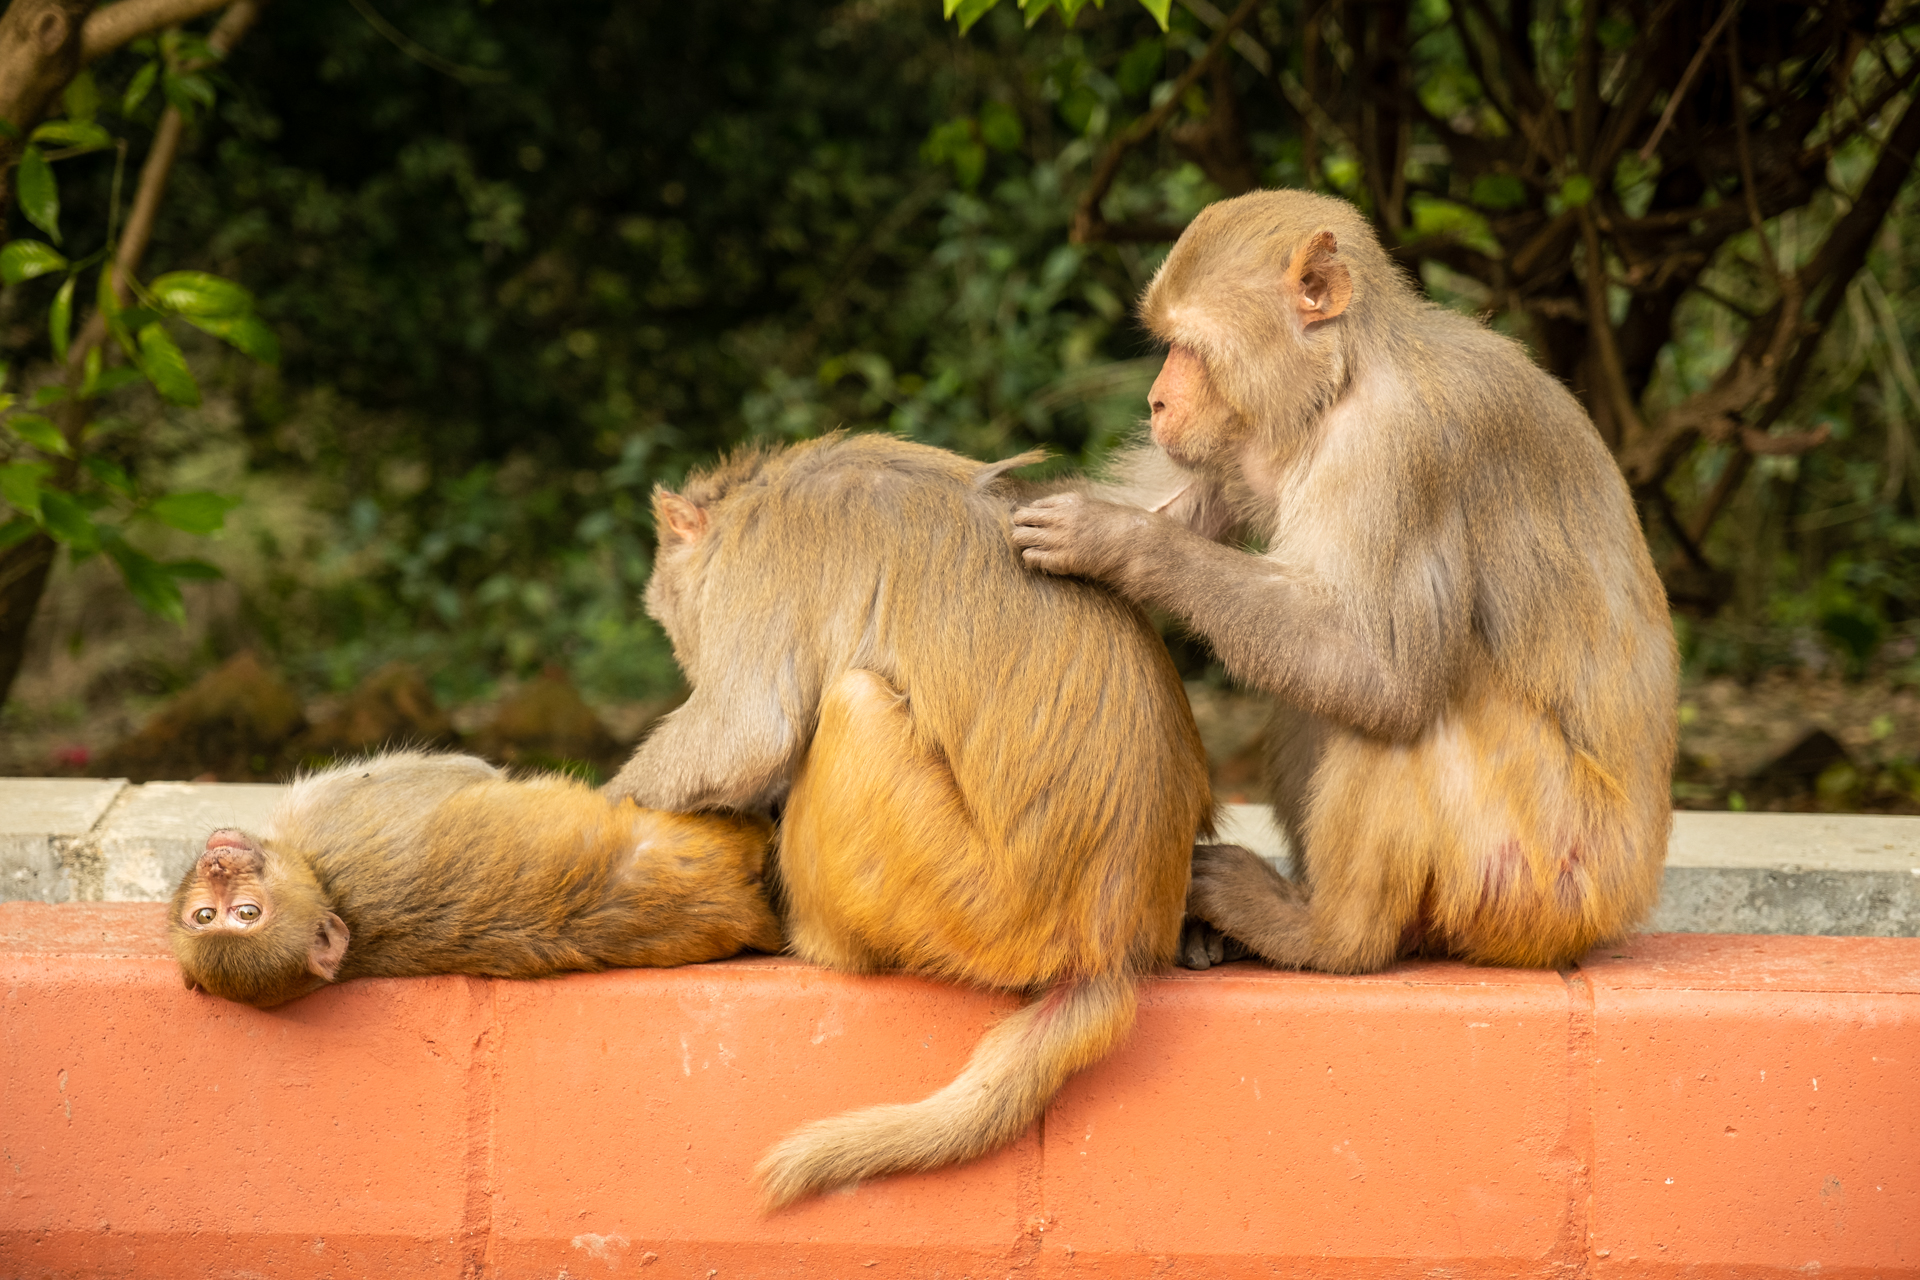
(23, 576)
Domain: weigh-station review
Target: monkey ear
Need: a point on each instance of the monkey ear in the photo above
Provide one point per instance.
(329, 947)
(1319, 282)
(674, 515)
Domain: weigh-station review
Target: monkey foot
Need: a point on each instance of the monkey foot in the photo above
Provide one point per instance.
(1202, 946)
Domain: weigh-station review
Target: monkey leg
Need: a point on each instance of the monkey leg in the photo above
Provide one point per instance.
(873, 835)
(1235, 891)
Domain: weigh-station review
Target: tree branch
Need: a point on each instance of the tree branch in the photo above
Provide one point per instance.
(140, 219)
(1088, 224)
(110, 27)
(1686, 80)
(39, 52)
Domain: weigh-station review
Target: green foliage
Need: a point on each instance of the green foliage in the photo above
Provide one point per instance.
(86, 500)
(505, 314)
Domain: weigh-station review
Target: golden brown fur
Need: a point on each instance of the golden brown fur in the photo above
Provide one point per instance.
(411, 863)
(1455, 607)
(990, 776)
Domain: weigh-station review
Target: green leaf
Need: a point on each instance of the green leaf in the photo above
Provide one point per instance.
(73, 133)
(968, 12)
(60, 320)
(248, 334)
(1159, 9)
(139, 88)
(15, 530)
(90, 372)
(20, 486)
(104, 295)
(81, 97)
(1576, 191)
(39, 194)
(100, 384)
(1141, 66)
(138, 318)
(193, 512)
(149, 581)
(193, 571)
(195, 293)
(52, 393)
(40, 433)
(67, 521)
(25, 259)
(166, 368)
(1000, 127)
(1035, 10)
(1498, 191)
(186, 92)
(109, 473)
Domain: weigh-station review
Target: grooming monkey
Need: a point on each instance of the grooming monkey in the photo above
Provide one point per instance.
(409, 863)
(1455, 608)
(989, 776)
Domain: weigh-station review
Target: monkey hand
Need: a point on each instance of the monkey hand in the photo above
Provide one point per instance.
(1069, 533)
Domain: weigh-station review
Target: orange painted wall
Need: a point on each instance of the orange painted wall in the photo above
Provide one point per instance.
(1687, 1105)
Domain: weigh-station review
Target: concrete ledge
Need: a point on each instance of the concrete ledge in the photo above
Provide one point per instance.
(1676, 1106)
(65, 840)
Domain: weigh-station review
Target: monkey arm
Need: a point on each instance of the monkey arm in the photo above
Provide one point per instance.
(723, 749)
(1379, 658)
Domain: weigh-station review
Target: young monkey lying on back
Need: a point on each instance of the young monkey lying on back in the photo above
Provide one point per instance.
(410, 863)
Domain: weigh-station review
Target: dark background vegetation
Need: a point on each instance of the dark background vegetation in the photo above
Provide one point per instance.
(610, 240)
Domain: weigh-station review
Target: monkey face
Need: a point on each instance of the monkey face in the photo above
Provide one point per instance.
(1191, 420)
(227, 889)
(246, 927)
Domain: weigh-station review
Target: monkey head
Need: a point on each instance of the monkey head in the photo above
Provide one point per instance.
(1246, 302)
(680, 524)
(252, 927)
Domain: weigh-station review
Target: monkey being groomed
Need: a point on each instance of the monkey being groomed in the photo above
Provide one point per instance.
(989, 775)
(409, 864)
(1455, 608)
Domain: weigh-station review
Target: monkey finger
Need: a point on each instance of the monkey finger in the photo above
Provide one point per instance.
(1044, 560)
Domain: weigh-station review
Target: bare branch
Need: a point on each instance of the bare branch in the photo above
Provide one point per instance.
(1242, 43)
(113, 25)
(1746, 160)
(1686, 80)
(1787, 443)
(1600, 331)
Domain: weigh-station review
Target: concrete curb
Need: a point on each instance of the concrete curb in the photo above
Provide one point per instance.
(1681, 1105)
(84, 840)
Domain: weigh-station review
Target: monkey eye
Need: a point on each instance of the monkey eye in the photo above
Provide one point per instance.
(203, 916)
(248, 912)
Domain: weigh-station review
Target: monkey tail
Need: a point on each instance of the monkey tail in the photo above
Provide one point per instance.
(1013, 1074)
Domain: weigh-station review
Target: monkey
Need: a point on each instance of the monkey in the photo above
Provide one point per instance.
(412, 863)
(984, 775)
(1448, 596)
